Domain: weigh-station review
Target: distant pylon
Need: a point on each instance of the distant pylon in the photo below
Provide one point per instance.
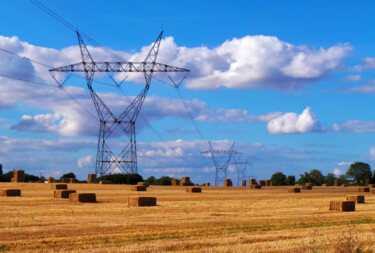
(220, 163)
(125, 162)
(241, 170)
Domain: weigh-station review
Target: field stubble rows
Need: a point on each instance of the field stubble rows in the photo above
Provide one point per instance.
(219, 219)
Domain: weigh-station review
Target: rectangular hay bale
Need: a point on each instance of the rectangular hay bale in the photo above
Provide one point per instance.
(262, 183)
(138, 188)
(62, 194)
(364, 189)
(255, 186)
(252, 182)
(227, 182)
(82, 197)
(11, 192)
(65, 180)
(342, 206)
(356, 198)
(174, 182)
(91, 178)
(294, 189)
(306, 187)
(141, 201)
(194, 189)
(145, 184)
(59, 186)
(243, 182)
(105, 182)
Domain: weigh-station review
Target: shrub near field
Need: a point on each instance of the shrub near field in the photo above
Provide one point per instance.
(122, 178)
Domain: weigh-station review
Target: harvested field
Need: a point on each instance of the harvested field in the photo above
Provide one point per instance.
(223, 219)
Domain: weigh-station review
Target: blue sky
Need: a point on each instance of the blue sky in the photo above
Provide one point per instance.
(292, 82)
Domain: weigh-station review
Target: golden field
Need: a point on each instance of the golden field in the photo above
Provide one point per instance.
(220, 219)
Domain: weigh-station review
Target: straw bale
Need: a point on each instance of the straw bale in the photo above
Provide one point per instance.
(373, 191)
(344, 185)
(364, 189)
(186, 179)
(145, 184)
(308, 184)
(141, 201)
(83, 197)
(11, 193)
(18, 176)
(72, 180)
(203, 184)
(138, 188)
(252, 181)
(324, 185)
(356, 198)
(65, 180)
(12, 180)
(255, 186)
(105, 182)
(208, 184)
(294, 189)
(262, 183)
(306, 187)
(367, 182)
(194, 189)
(336, 182)
(174, 182)
(196, 184)
(228, 182)
(243, 182)
(50, 180)
(371, 186)
(91, 178)
(62, 194)
(342, 206)
(59, 186)
(268, 183)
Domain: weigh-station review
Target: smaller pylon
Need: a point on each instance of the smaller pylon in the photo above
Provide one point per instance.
(221, 164)
(241, 170)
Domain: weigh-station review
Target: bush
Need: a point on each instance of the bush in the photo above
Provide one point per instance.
(290, 180)
(122, 178)
(278, 178)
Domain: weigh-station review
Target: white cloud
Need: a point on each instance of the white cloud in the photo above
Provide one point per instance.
(85, 161)
(344, 163)
(352, 78)
(290, 123)
(355, 126)
(367, 63)
(338, 172)
(367, 88)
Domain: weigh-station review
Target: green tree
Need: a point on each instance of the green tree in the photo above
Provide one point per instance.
(122, 178)
(290, 180)
(329, 179)
(165, 180)
(1, 169)
(150, 180)
(316, 177)
(68, 175)
(278, 178)
(304, 178)
(373, 178)
(359, 172)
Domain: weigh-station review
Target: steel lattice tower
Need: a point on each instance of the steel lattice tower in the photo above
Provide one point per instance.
(241, 170)
(221, 164)
(126, 160)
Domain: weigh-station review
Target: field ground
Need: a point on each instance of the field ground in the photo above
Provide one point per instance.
(235, 219)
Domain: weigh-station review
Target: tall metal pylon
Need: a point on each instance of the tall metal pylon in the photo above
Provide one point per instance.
(126, 161)
(241, 170)
(220, 163)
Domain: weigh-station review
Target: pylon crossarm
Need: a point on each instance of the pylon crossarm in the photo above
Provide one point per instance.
(118, 67)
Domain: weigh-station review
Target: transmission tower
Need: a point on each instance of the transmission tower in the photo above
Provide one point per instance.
(241, 170)
(126, 160)
(221, 159)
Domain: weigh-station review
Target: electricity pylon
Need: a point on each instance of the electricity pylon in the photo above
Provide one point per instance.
(241, 170)
(221, 164)
(126, 160)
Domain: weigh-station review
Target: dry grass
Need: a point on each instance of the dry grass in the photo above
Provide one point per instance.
(221, 219)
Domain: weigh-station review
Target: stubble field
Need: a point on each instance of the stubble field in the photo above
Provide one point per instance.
(231, 219)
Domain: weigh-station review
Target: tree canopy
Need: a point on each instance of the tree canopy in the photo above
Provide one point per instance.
(359, 172)
(278, 178)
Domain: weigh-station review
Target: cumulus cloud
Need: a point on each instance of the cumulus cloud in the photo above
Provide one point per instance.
(338, 172)
(367, 88)
(290, 123)
(344, 163)
(85, 161)
(352, 78)
(355, 126)
(367, 63)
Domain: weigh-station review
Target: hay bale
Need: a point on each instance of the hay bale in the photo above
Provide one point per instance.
(373, 191)
(227, 182)
(50, 180)
(243, 182)
(138, 188)
(336, 182)
(255, 186)
(174, 182)
(91, 178)
(72, 180)
(371, 186)
(208, 184)
(11, 193)
(141, 201)
(194, 189)
(203, 184)
(262, 183)
(59, 186)
(185, 181)
(62, 194)
(18, 176)
(268, 183)
(308, 184)
(344, 185)
(324, 185)
(367, 182)
(306, 187)
(83, 197)
(252, 182)
(356, 198)
(105, 182)
(342, 206)
(65, 180)
(294, 189)
(363, 189)
(145, 184)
